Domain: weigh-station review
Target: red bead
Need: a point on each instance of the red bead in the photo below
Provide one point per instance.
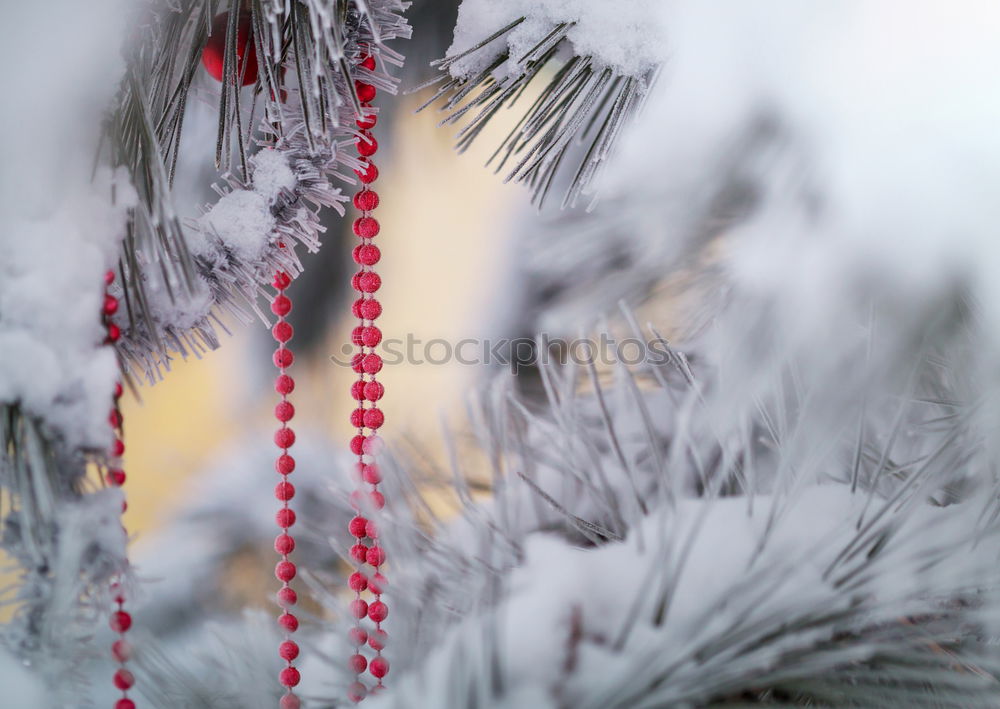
(289, 622)
(283, 357)
(370, 309)
(110, 304)
(379, 667)
(371, 363)
(371, 529)
(358, 663)
(373, 418)
(366, 227)
(357, 390)
(357, 526)
(281, 280)
(118, 388)
(357, 418)
(359, 552)
(285, 464)
(124, 679)
(378, 583)
(356, 336)
(284, 411)
(284, 438)
(114, 418)
(116, 477)
(357, 692)
(356, 281)
(282, 331)
(285, 517)
(366, 200)
(367, 254)
(213, 55)
(284, 571)
(357, 362)
(370, 336)
(368, 173)
(378, 639)
(109, 277)
(357, 445)
(289, 677)
(359, 609)
(284, 544)
(114, 332)
(369, 282)
(287, 596)
(284, 384)
(284, 491)
(357, 582)
(365, 92)
(356, 309)
(121, 650)
(120, 621)
(371, 474)
(290, 701)
(357, 635)
(366, 144)
(377, 499)
(368, 62)
(117, 447)
(288, 651)
(376, 557)
(374, 391)
(281, 305)
(124, 703)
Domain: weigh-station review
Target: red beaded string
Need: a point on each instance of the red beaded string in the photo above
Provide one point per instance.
(366, 391)
(120, 620)
(284, 543)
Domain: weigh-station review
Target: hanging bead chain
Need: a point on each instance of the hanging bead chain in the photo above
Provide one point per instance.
(284, 543)
(120, 620)
(366, 391)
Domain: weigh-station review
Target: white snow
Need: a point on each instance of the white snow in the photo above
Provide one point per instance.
(242, 220)
(271, 173)
(639, 36)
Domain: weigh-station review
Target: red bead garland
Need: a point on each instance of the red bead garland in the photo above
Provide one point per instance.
(366, 417)
(120, 620)
(284, 491)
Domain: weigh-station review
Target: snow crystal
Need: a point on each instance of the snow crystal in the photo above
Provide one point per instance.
(271, 173)
(635, 26)
(242, 220)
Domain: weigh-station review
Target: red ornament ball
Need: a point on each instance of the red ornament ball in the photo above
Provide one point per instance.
(379, 667)
(359, 608)
(287, 596)
(284, 571)
(120, 621)
(214, 53)
(284, 491)
(288, 651)
(367, 121)
(110, 305)
(281, 305)
(370, 309)
(366, 144)
(366, 200)
(281, 280)
(366, 227)
(289, 622)
(282, 331)
(124, 703)
(367, 255)
(359, 552)
(374, 391)
(285, 464)
(369, 282)
(124, 679)
(284, 438)
(357, 582)
(373, 418)
(357, 527)
(358, 390)
(284, 544)
(368, 173)
(289, 677)
(284, 384)
(357, 663)
(284, 411)
(376, 557)
(365, 92)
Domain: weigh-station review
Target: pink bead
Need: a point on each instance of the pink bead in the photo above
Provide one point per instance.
(284, 571)
(378, 583)
(289, 677)
(124, 679)
(370, 309)
(282, 331)
(373, 445)
(366, 200)
(120, 621)
(357, 692)
(117, 447)
(366, 144)
(371, 474)
(285, 464)
(365, 92)
(367, 255)
(281, 305)
(357, 636)
(371, 530)
(371, 363)
(124, 703)
(281, 280)
(356, 336)
(357, 445)
(373, 418)
(358, 390)
(370, 336)
(116, 477)
(358, 663)
(378, 639)
(289, 622)
(368, 173)
(356, 281)
(109, 277)
(284, 384)
(369, 282)
(121, 650)
(284, 491)
(284, 438)
(374, 391)
(284, 411)
(359, 609)
(359, 552)
(284, 544)
(287, 597)
(356, 308)
(379, 667)
(285, 517)
(290, 701)
(357, 418)
(376, 557)
(356, 362)
(357, 582)
(357, 526)
(114, 332)
(283, 357)
(288, 651)
(110, 305)
(366, 227)
(377, 499)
